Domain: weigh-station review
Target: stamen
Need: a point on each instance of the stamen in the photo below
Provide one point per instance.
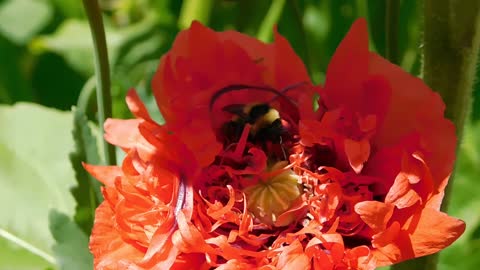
(283, 149)
(268, 175)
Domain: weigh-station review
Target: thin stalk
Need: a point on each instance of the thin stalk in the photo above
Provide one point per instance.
(102, 71)
(195, 10)
(392, 15)
(271, 18)
(86, 99)
(451, 46)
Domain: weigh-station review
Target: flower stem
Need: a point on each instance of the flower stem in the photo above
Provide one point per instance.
(272, 17)
(102, 71)
(451, 46)
(195, 10)
(392, 14)
(452, 39)
(86, 98)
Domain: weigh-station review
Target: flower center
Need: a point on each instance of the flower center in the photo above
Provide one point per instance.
(268, 199)
(332, 194)
(284, 182)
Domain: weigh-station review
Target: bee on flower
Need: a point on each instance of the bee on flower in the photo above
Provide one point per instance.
(247, 173)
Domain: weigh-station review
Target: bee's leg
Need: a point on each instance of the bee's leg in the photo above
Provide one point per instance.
(283, 149)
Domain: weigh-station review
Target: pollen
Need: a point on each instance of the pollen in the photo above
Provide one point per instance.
(270, 198)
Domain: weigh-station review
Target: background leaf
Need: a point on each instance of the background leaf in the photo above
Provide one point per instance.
(34, 176)
(20, 20)
(72, 40)
(71, 248)
(87, 192)
(465, 204)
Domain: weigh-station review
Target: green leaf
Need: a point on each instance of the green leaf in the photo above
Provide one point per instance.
(71, 248)
(291, 26)
(465, 203)
(35, 177)
(317, 24)
(146, 40)
(87, 192)
(54, 83)
(376, 24)
(73, 41)
(14, 84)
(20, 20)
(69, 8)
(195, 10)
(250, 15)
(13, 257)
(342, 14)
(271, 18)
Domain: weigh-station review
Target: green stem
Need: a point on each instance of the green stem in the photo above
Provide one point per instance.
(451, 46)
(452, 40)
(85, 100)
(272, 17)
(392, 14)
(195, 10)
(102, 71)
(361, 6)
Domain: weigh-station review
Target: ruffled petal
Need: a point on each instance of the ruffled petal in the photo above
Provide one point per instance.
(401, 194)
(104, 174)
(136, 106)
(357, 153)
(293, 257)
(122, 133)
(431, 231)
(375, 214)
(108, 248)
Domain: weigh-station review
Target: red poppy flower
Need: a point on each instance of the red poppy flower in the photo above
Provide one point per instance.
(249, 173)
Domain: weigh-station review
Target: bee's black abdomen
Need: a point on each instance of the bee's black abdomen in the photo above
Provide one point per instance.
(257, 112)
(271, 132)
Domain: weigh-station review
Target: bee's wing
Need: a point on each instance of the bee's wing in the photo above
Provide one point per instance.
(236, 109)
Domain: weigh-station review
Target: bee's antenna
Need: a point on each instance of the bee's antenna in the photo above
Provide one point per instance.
(242, 87)
(288, 88)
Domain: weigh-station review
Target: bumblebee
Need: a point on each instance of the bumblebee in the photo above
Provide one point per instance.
(266, 124)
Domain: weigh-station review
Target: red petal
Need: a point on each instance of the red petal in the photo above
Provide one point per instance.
(348, 67)
(427, 231)
(104, 174)
(123, 133)
(432, 231)
(414, 107)
(136, 105)
(375, 214)
(401, 194)
(107, 246)
(293, 257)
(289, 68)
(391, 246)
(357, 153)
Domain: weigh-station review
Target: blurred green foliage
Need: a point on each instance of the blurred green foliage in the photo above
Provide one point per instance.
(46, 58)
